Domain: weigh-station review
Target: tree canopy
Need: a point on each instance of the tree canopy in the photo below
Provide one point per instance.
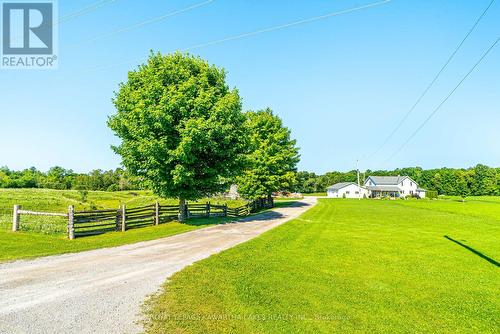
(180, 125)
(273, 157)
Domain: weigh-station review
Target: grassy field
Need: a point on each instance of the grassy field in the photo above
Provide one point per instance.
(488, 199)
(348, 266)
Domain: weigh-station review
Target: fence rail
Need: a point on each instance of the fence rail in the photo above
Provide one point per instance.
(83, 223)
(36, 213)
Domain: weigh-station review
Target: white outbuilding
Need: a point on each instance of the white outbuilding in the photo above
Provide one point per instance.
(346, 190)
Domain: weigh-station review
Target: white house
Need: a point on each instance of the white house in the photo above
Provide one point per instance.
(346, 190)
(393, 186)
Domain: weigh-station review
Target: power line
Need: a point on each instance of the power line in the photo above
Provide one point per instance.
(75, 14)
(146, 22)
(287, 25)
(398, 126)
(85, 10)
(260, 31)
(442, 102)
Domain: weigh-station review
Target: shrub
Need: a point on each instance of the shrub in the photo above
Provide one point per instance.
(431, 194)
(83, 195)
(113, 187)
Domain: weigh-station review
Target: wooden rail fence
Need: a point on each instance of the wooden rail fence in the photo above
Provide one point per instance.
(84, 223)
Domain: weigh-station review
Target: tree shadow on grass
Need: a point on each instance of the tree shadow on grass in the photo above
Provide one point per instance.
(481, 255)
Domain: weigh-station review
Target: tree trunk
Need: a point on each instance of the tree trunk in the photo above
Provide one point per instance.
(182, 209)
(270, 200)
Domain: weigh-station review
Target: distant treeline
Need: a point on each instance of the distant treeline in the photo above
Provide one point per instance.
(476, 181)
(60, 178)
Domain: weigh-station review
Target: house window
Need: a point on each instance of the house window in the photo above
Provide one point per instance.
(357, 192)
(411, 184)
(347, 192)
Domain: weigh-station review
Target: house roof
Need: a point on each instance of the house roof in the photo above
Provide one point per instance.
(389, 180)
(384, 188)
(340, 185)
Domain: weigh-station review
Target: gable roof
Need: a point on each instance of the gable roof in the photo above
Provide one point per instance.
(384, 188)
(340, 185)
(388, 180)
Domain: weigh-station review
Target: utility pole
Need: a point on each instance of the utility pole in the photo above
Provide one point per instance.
(357, 171)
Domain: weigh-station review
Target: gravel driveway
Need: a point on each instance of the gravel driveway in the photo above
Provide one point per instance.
(101, 291)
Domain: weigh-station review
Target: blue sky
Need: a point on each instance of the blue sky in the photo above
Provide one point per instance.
(341, 84)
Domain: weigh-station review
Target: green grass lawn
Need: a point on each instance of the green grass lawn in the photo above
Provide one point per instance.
(489, 199)
(348, 266)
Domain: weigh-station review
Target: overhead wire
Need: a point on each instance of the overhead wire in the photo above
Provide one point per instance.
(432, 82)
(255, 32)
(146, 22)
(429, 117)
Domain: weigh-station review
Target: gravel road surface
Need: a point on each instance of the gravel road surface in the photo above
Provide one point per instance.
(101, 291)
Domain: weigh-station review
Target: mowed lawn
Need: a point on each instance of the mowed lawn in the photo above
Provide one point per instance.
(348, 266)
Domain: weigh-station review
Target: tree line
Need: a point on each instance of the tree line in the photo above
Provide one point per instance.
(64, 179)
(475, 181)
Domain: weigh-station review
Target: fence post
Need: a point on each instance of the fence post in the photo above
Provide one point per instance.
(71, 222)
(118, 218)
(225, 210)
(16, 218)
(182, 210)
(124, 218)
(207, 209)
(157, 213)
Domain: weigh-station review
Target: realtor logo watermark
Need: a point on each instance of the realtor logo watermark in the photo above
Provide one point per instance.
(29, 34)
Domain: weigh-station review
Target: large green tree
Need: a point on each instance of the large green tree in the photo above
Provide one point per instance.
(273, 157)
(181, 127)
